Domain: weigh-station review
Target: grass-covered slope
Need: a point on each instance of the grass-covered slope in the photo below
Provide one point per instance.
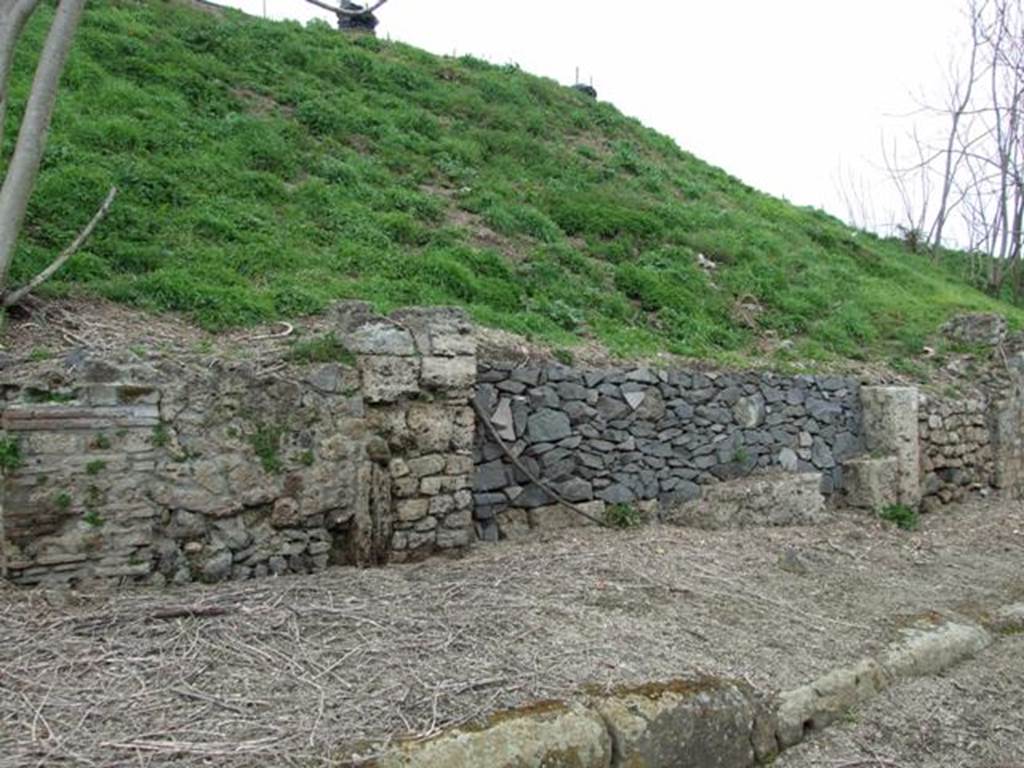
(268, 169)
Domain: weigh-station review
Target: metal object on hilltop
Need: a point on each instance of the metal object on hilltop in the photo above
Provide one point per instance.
(353, 17)
(585, 88)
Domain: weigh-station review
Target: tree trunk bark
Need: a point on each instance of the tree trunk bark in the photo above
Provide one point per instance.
(28, 151)
(13, 16)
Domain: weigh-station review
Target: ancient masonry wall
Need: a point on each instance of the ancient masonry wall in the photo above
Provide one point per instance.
(174, 470)
(956, 449)
(1005, 418)
(177, 468)
(633, 436)
(975, 440)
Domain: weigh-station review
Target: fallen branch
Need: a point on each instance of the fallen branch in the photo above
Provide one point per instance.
(190, 612)
(288, 330)
(555, 495)
(14, 297)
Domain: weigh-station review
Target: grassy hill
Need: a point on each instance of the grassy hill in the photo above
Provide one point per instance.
(268, 169)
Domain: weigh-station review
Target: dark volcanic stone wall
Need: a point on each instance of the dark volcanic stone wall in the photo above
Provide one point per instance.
(623, 436)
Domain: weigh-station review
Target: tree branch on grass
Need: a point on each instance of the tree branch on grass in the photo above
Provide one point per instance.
(14, 297)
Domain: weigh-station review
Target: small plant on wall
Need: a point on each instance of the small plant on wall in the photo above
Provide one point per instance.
(10, 460)
(10, 454)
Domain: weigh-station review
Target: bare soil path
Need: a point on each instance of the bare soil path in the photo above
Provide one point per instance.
(295, 671)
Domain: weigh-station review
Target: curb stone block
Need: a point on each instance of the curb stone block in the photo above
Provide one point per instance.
(928, 651)
(683, 724)
(823, 701)
(1009, 618)
(920, 651)
(553, 735)
(871, 483)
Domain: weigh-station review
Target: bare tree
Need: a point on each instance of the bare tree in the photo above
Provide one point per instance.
(961, 90)
(855, 193)
(23, 164)
(973, 172)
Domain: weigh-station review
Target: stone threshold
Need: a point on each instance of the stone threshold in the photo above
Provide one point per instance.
(698, 722)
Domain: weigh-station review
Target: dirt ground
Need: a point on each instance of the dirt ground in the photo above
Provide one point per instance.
(53, 328)
(297, 671)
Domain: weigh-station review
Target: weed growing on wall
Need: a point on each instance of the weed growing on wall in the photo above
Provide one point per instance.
(161, 437)
(321, 349)
(10, 454)
(266, 442)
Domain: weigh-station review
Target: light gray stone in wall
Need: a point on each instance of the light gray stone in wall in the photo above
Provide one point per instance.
(771, 499)
(749, 411)
(448, 372)
(891, 427)
(387, 379)
(872, 483)
(380, 337)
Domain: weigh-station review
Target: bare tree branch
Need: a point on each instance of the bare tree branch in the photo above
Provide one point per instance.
(14, 297)
(958, 106)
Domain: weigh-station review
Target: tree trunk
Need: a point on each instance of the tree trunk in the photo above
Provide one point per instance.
(28, 151)
(13, 16)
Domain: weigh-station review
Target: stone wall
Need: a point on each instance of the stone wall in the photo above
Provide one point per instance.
(175, 467)
(184, 468)
(1006, 424)
(622, 436)
(956, 450)
(972, 434)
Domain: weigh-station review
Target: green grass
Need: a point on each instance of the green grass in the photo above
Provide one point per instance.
(320, 349)
(268, 169)
(622, 516)
(10, 454)
(902, 516)
(266, 444)
(161, 437)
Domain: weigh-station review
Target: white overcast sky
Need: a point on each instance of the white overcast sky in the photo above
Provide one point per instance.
(784, 94)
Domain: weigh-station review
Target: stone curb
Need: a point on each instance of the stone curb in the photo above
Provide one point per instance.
(927, 648)
(700, 722)
(1008, 619)
(550, 734)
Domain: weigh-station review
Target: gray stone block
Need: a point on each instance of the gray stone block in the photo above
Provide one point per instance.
(768, 499)
(618, 493)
